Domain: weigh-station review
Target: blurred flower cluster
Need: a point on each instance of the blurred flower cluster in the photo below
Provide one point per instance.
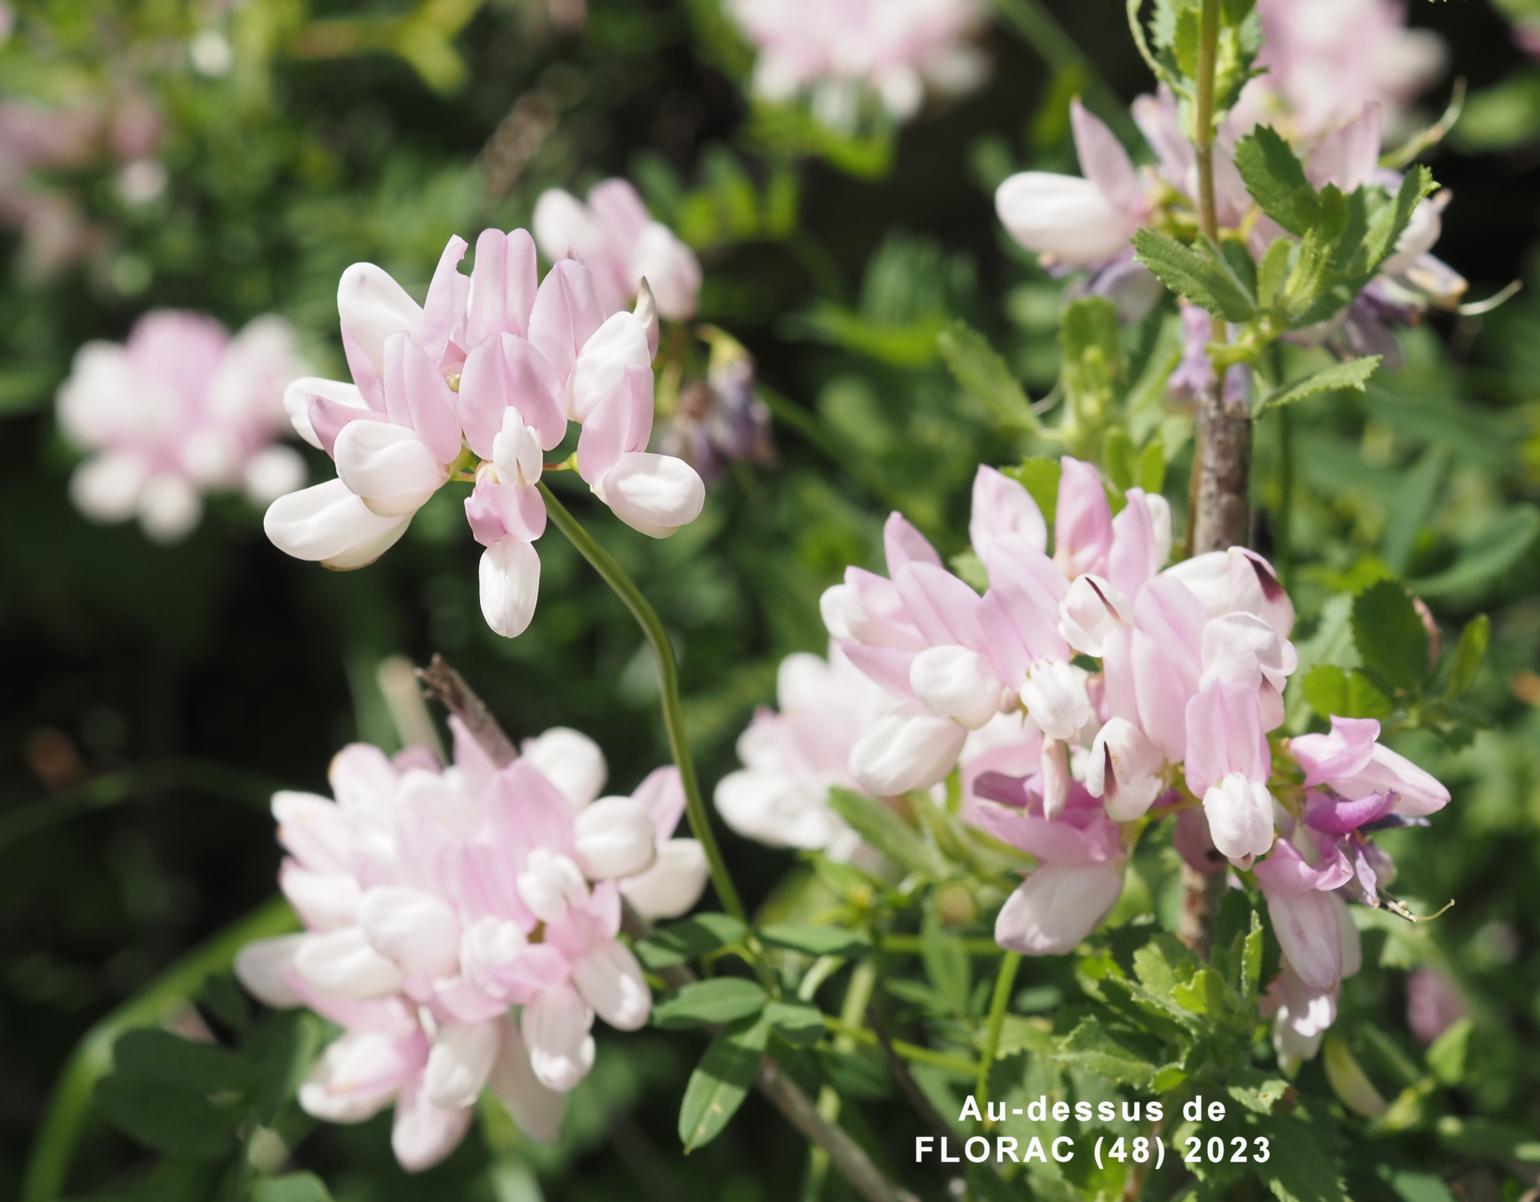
(840, 52)
(180, 409)
(1340, 132)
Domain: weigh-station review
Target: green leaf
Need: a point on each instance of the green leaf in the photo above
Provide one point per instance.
(1390, 220)
(1257, 1091)
(721, 1081)
(1118, 458)
(1448, 1054)
(1389, 634)
(881, 826)
(815, 941)
(1298, 1168)
(1150, 472)
(856, 1072)
(1276, 179)
(909, 345)
(1198, 274)
(687, 940)
(296, 1187)
(1091, 363)
(1465, 660)
(166, 1119)
(947, 965)
(1345, 693)
(985, 375)
(1491, 554)
(1040, 477)
(1412, 504)
(1353, 374)
(285, 1047)
(1091, 1046)
(707, 1003)
(159, 1057)
(224, 1002)
(798, 1023)
(1273, 271)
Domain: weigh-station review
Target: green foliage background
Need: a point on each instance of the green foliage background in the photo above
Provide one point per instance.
(156, 696)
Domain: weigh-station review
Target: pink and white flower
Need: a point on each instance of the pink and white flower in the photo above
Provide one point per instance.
(462, 926)
(178, 410)
(476, 385)
(621, 243)
(838, 50)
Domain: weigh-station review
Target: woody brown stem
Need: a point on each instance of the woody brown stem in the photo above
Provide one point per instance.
(1221, 507)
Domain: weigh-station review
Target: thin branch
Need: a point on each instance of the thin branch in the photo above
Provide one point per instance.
(624, 587)
(448, 687)
(910, 1088)
(848, 1157)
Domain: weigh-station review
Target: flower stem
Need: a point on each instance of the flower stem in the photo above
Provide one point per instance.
(998, 1004)
(1203, 135)
(668, 687)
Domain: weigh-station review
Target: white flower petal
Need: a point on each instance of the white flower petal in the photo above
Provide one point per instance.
(460, 1063)
(510, 585)
(388, 466)
(610, 980)
(674, 882)
(556, 1028)
(655, 494)
(412, 929)
(614, 837)
(327, 523)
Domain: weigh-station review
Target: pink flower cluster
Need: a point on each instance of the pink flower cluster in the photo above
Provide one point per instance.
(40, 144)
(837, 49)
(621, 243)
(1085, 222)
(1090, 688)
(461, 927)
(180, 409)
(1326, 59)
(475, 384)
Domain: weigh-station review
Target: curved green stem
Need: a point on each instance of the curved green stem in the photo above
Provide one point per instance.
(70, 1103)
(999, 1002)
(668, 687)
